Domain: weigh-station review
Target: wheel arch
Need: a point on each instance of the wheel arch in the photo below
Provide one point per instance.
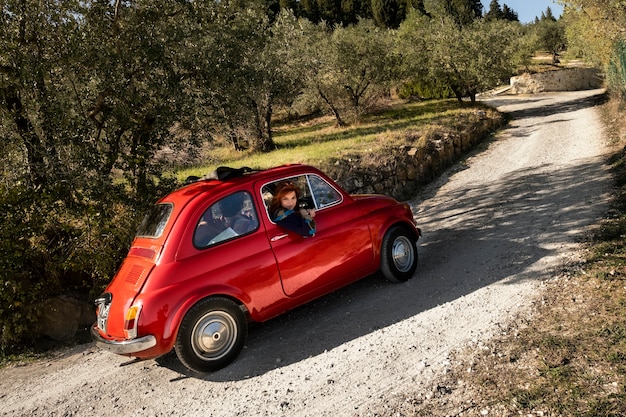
(391, 223)
(172, 325)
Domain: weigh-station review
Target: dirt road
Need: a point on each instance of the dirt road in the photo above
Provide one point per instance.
(496, 227)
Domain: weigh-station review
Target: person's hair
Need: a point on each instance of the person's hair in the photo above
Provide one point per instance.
(282, 190)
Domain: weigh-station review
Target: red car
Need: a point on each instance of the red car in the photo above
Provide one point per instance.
(208, 258)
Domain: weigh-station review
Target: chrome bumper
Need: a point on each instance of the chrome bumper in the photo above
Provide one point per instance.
(123, 347)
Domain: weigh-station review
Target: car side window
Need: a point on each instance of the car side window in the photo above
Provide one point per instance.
(226, 219)
(316, 192)
(324, 194)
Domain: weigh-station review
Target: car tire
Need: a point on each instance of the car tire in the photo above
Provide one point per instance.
(211, 335)
(398, 256)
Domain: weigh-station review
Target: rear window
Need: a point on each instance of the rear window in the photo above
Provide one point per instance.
(154, 222)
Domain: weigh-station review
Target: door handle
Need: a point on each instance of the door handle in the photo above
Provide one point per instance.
(279, 237)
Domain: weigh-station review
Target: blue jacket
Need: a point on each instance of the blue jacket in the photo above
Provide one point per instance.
(292, 220)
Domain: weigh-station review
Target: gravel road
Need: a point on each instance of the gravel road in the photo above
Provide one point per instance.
(496, 226)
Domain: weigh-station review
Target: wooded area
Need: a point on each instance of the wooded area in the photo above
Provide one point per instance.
(92, 91)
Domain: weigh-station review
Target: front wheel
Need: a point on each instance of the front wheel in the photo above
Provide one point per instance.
(398, 256)
(211, 335)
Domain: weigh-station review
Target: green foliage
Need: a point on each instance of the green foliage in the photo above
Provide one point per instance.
(551, 37)
(593, 28)
(616, 74)
(48, 247)
(333, 12)
(457, 12)
(348, 68)
(496, 12)
(461, 58)
(20, 288)
(388, 13)
(364, 62)
(425, 89)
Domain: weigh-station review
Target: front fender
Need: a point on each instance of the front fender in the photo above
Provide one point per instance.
(394, 220)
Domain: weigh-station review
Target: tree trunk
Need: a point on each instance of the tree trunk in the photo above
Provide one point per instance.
(458, 94)
(268, 144)
(338, 121)
(140, 154)
(233, 138)
(263, 121)
(35, 152)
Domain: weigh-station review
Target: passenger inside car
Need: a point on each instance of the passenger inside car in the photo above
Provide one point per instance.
(288, 211)
(231, 216)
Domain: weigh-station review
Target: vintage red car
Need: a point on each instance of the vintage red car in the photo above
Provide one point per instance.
(192, 284)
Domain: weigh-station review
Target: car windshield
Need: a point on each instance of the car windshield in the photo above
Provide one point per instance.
(154, 222)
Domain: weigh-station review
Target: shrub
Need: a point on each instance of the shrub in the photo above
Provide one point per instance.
(424, 89)
(21, 256)
(616, 74)
(49, 247)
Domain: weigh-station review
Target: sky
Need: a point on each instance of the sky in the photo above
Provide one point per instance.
(527, 10)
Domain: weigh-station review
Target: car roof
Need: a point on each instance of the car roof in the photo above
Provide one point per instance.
(213, 185)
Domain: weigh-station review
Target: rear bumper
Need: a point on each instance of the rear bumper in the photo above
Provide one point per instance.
(123, 347)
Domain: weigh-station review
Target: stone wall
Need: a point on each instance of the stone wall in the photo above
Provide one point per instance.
(399, 171)
(568, 79)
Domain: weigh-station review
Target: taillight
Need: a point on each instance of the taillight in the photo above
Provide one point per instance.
(142, 252)
(130, 321)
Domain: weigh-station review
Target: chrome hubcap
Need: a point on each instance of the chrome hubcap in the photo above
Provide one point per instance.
(214, 335)
(402, 254)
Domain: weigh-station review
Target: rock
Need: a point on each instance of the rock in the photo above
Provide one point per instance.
(62, 316)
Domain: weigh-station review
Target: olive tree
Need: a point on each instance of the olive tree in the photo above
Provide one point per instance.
(35, 93)
(241, 65)
(350, 67)
(130, 92)
(551, 37)
(89, 92)
(462, 58)
(596, 32)
(277, 72)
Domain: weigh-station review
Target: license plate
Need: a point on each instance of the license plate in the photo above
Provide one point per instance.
(103, 315)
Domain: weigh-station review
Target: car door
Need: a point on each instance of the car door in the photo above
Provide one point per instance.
(340, 251)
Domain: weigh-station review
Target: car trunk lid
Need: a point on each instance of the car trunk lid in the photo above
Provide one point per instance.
(124, 287)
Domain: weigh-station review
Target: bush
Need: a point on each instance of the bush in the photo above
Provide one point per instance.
(616, 74)
(425, 90)
(21, 258)
(48, 248)
(54, 244)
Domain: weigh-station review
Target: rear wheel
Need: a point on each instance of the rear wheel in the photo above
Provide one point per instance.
(398, 256)
(211, 335)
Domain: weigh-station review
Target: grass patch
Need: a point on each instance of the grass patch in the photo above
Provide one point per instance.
(317, 140)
